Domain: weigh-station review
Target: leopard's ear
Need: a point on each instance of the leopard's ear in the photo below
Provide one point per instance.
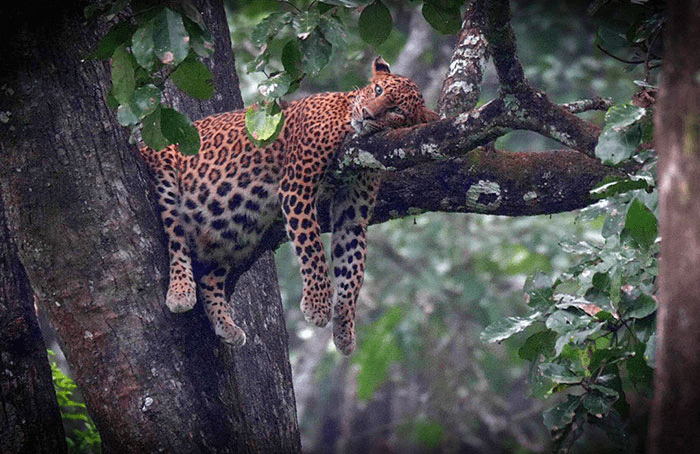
(380, 66)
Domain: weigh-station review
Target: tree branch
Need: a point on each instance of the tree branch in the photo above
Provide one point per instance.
(461, 87)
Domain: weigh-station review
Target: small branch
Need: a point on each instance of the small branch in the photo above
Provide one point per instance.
(461, 87)
(402, 148)
(620, 59)
(586, 105)
(527, 107)
(533, 110)
(503, 48)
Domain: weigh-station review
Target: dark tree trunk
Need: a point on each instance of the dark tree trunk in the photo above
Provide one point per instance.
(30, 420)
(79, 205)
(676, 406)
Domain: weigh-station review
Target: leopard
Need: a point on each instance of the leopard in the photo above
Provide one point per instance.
(216, 205)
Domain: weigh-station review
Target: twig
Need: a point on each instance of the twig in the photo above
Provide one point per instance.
(585, 105)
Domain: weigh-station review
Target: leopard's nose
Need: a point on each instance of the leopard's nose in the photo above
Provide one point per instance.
(366, 114)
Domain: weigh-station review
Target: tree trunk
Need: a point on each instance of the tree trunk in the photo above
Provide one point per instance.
(676, 406)
(30, 420)
(79, 204)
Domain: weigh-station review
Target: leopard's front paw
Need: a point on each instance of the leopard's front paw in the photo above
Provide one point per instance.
(317, 313)
(230, 333)
(180, 299)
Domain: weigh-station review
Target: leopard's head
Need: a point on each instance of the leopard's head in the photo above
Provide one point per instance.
(389, 101)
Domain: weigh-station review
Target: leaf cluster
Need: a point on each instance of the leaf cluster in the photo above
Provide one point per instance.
(627, 128)
(156, 42)
(591, 329)
(630, 31)
(84, 438)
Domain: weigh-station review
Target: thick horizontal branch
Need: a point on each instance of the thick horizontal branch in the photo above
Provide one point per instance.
(494, 182)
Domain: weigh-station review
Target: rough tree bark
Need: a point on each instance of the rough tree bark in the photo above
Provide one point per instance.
(676, 405)
(30, 420)
(78, 202)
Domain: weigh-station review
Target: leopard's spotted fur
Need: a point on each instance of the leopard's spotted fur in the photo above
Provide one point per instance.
(217, 204)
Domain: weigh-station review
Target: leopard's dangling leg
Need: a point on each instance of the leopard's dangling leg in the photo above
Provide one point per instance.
(352, 208)
(297, 194)
(212, 285)
(182, 291)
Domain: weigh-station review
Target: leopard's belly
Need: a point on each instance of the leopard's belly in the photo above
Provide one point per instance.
(227, 210)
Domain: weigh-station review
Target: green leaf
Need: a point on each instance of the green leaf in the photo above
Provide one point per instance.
(613, 147)
(611, 39)
(170, 38)
(507, 327)
(123, 76)
(641, 307)
(375, 23)
(261, 127)
(269, 27)
(563, 321)
(145, 100)
(345, 3)
(276, 86)
(605, 356)
(601, 281)
(428, 434)
(639, 371)
(142, 46)
(444, 17)
(605, 316)
(152, 133)
(115, 37)
(621, 186)
(559, 374)
(306, 21)
(291, 58)
(194, 78)
(316, 50)
(621, 116)
(539, 291)
(333, 30)
(126, 116)
(650, 351)
(178, 129)
(598, 404)
(613, 225)
(621, 134)
(540, 343)
(201, 40)
(641, 226)
(561, 416)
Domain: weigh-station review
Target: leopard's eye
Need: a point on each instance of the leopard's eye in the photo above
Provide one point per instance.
(378, 90)
(395, 109)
